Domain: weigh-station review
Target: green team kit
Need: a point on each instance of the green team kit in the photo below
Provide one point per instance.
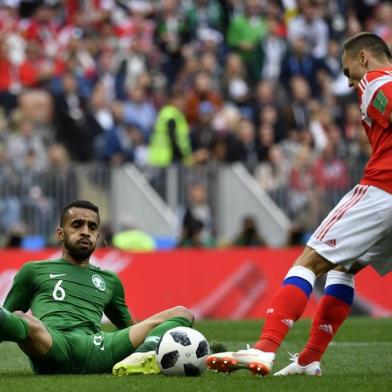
(70, 300)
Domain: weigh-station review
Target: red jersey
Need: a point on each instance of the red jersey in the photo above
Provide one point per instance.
(375, 96)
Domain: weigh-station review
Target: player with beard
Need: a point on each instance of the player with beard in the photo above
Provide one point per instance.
(67, 298)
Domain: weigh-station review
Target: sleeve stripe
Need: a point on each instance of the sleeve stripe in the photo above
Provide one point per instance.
(370, 90)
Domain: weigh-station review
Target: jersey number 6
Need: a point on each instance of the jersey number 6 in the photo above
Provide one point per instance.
(58, 291)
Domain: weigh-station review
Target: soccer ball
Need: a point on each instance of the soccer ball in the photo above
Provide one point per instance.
(182, 351)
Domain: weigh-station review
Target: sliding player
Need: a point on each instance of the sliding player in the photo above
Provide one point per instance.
(68, 297)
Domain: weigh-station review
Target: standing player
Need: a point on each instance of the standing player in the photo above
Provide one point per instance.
(67, 298)
(356, 233)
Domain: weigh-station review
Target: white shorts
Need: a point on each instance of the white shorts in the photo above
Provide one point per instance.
(359, 229)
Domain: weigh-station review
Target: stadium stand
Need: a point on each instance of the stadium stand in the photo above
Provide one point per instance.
(89, 85)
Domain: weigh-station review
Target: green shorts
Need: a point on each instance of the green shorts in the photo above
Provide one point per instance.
(77, 352)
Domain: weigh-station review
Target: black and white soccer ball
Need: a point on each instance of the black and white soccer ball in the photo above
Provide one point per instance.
(182, 351)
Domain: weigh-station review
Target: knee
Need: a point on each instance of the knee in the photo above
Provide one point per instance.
(182, 311)
(35, 325)
(311, 260)
(21, 314)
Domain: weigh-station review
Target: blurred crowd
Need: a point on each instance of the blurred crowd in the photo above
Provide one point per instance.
(197, 82)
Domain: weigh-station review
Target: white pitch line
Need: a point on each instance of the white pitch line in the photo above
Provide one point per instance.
(285, 345)
(375, 343)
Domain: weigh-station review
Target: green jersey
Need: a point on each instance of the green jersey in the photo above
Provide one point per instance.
(66, 297)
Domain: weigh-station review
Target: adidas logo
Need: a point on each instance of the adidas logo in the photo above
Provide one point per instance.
(317, 372)
(326, 328)
(331, 243)
(270, 310)
(288, 322)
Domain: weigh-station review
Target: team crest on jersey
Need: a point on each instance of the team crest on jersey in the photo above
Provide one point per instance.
(99, 283)
(380, 102)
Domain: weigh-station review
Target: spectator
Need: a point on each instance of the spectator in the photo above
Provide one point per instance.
(273, 175)
(246, 31)
(249, 235)
(195, 218)
(171, 34)
(235, 85)
(132, 66)
(140, 111)
(380, 24)
(202, 135)
(274, 48)
(170, 139)
(297, 111)
(125, 144)
(42, 27)
(352, 133)
(191, 66)
(332, 59)
(9, 26)
(72, 129)
(209, 64)
(106, 74)
(202, 15)
(331, 177)
(8, 84)
(58, 181)
(269, 116)
(35, 70)
(226, 124)
(25, 142)
(15, 235)
(246, 145)
(319, 122)
(299, 62)
(303, 201)
(264, 141)
(201, 92)
(37, 105)
(191, 233)
(310, 26)
(136, 29)
(10, 203)
(99, 119)
(266, 93)
(36, 205)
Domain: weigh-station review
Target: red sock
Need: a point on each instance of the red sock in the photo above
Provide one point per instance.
(287, 306)
(330, 314)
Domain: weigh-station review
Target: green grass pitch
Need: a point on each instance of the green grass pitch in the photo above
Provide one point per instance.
(360, 359)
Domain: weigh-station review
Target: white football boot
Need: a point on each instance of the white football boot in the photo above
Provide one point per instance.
(257, 361)
(313, 369)
(137, 363)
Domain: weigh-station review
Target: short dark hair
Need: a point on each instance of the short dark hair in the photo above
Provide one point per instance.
(77, 204)
(369, 41)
